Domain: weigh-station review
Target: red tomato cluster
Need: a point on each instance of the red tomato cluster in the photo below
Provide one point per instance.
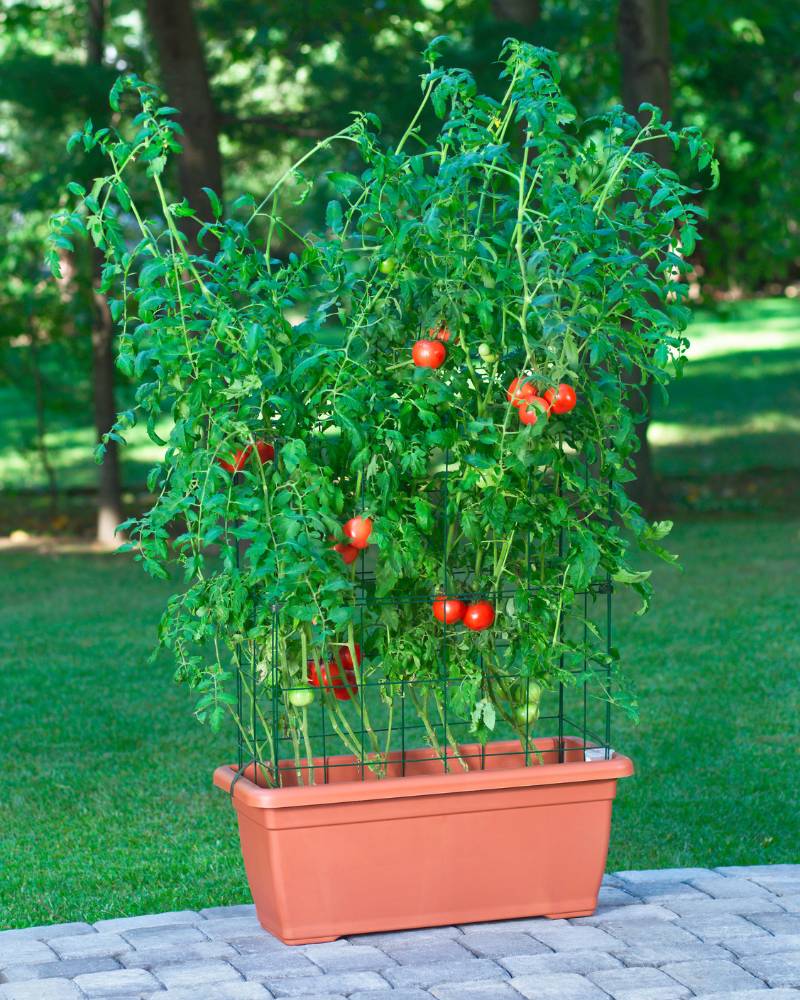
(264, 451)
(358, 530)
(338, 673)
(524, 395)
(476, 616)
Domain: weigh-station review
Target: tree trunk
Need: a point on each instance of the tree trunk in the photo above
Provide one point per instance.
(185, 78)
(109, 486)
(643, 43)
(518, 11)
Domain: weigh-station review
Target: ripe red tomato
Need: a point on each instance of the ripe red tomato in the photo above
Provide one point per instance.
(520, 392)
(358, 530)
(265, 451)
(341, 676)
(440, 333)
(346, 656)
(239, 460)
(448, 609)
(479, 616)
(561, 400)
(530, 411)
(429, 353)
(349, 553)
(316, 674)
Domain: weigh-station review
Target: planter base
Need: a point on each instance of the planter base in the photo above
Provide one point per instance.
(498, 841)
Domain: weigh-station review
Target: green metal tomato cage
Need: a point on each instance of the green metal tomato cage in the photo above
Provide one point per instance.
(384, 734)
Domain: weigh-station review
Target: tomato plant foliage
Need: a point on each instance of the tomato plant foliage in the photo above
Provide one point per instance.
(551, 244)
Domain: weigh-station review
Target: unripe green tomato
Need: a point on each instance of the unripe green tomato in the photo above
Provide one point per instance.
(388, 265)
(528, 695)
(486, 353)
(301, 698)
(526, 715)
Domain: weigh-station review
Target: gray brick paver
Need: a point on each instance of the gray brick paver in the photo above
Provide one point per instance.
(559, 986)
(663, 875)
(387, 994)
(473, 991)
(338, 983)
(176, 954)
(118, 924)
(579, 962)
(162, 937)
(231, 928)
(661, 891)
(353, 958)
(729, 888)
(763, 945)
(275, 965)
(712, 977)
(572, 938)
(637, 912)
(25, 951)
(496, 945)
(777, 969)
(196, 973)
(89, 945)
(217, 991)
(639, 984)
(445, 973)
(44, 931)
(717, 929)
(428, 952)
(752, 995)
(744, 906)
(122, 983)
(659, 956)
(41, 989)
(778, 923)
(651, 933)
(237, 910)
(67, 969)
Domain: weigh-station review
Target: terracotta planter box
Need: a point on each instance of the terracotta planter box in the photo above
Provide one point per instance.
(429, 848)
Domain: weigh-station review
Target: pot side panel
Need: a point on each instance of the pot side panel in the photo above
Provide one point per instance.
(385, 865)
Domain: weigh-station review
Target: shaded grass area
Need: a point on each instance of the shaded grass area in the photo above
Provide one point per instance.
(738, 406)
(107, 805)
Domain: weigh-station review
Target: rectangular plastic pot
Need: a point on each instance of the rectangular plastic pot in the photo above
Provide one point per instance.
(428, 848)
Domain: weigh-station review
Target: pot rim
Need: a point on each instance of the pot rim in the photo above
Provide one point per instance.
(247, 793)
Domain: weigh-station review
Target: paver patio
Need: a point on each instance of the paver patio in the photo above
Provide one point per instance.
(722, 934)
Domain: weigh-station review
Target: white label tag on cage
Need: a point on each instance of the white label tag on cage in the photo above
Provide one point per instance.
(598, 753)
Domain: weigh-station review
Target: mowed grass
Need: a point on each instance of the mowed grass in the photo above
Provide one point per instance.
(107, 807)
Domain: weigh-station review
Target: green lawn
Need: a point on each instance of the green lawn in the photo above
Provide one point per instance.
(107, 805)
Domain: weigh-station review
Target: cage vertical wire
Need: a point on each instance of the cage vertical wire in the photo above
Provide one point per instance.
(378, 731)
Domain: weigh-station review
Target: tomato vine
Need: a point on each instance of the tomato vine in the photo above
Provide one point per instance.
(477, 316)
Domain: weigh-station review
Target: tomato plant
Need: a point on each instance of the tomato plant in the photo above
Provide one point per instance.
(551, 246)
